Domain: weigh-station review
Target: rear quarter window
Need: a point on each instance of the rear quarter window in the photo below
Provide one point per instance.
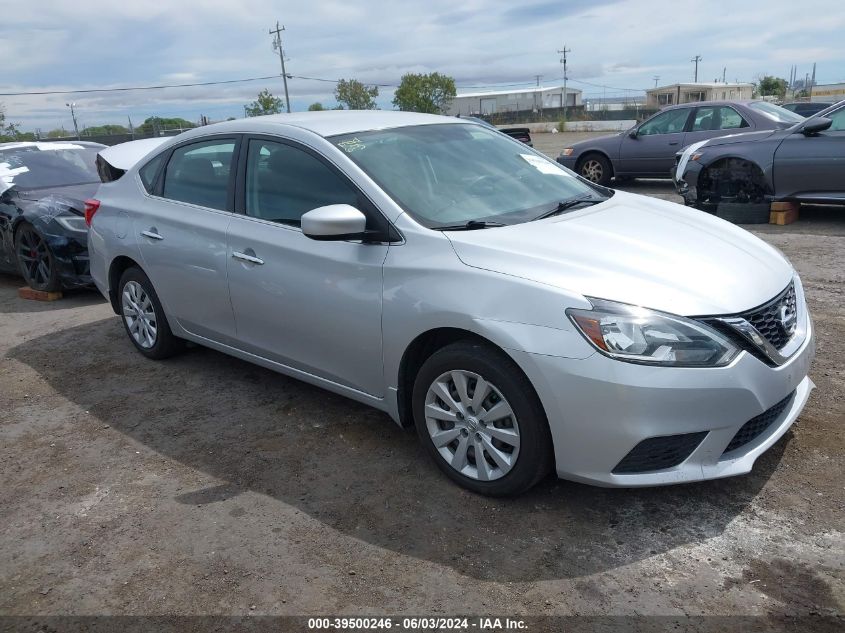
(148, 172)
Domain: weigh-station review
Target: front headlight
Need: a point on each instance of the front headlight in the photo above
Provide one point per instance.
(567, 151)
(639, 335)
(73, 223)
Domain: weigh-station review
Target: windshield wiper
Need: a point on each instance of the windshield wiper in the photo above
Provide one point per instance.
(472, 225)
(565, 205)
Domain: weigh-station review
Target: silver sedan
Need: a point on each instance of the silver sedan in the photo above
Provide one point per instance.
(522, 318)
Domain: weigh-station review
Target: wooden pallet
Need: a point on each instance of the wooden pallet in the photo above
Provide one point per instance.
(783, 213)
(38, 295)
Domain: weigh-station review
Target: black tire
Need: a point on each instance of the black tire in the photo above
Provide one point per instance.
(535, 457)
(165, 343)
(35, 259)
(744, 212)
(596, 168)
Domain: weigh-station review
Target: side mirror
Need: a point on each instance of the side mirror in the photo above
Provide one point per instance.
(815, 125)
(632, 133)
(335, 222)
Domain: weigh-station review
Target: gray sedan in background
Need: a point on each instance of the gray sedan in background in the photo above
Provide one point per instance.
(522, 319)
(648, 149)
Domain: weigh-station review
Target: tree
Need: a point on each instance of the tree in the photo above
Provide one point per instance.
(768, 86)
(58, 133)
(266, 103)
(430, 93)
(355, 95)
(155, 124)
(316, 107)
(104, 130)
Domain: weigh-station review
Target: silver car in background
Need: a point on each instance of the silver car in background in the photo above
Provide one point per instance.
(522, 318)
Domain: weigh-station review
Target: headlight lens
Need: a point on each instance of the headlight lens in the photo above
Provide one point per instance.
(73, 223)
(638, 335)
(567, 151)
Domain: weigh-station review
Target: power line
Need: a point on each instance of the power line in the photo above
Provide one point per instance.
(161, 87)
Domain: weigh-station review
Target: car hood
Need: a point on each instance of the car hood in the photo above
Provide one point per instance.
(636, 250)
(744, 137)
(608, 141)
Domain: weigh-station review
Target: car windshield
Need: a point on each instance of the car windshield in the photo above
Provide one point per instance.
(47, 165)
(453, 174)
(775, 112)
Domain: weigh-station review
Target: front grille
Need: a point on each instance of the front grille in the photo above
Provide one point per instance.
(658, 453)
(752, 429)
(769, 319)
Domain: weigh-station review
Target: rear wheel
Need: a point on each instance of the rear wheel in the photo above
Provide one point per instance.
(479, 418)
(143, 317)
(596, 168)
(35, 259)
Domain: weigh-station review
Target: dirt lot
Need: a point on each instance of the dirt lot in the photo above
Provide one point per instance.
(205, 485)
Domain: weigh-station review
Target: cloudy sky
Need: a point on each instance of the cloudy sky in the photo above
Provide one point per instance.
(63, 45)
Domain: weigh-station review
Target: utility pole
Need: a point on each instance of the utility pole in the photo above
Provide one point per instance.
(696, 59)
(277, 44)
(563, 52)
(656, 79)
(540, 107)
(724, 72)
(73, 116)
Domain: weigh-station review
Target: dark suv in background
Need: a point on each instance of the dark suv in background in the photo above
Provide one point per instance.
(648, 149)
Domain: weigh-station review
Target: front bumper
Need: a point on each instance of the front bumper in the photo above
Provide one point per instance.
(599, 409)
(567, 161)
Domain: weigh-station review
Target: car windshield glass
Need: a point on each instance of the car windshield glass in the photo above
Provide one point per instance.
(451, 174)
(48, 165)
(775, 112)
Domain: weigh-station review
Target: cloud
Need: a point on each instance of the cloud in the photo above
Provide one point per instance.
(95, 43)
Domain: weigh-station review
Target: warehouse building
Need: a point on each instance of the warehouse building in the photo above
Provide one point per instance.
(539, 98)
(828, 93)
(689, 93)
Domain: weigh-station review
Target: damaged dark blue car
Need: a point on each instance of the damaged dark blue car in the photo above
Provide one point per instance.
(43, 188)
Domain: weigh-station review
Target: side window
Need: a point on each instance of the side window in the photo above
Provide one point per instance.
(705, 120)
(670, 122)
(284, 182)
(199, 173)
(838, 119)
(730, 119)
(148, 172)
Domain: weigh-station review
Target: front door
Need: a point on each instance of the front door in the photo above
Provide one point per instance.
(651, 153)
(813, 166)
(181, 231)
(312, 305)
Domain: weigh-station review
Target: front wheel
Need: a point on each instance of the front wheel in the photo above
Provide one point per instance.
(480, 419)
(596, 168)
(143, 317)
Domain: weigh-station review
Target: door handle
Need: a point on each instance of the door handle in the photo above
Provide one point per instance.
(247, 258)
(675, 143)
(152, 234)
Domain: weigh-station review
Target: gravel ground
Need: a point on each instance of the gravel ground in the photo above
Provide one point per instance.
(205, 485)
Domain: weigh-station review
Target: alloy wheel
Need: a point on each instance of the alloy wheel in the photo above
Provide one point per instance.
(592, 170)
(139, 314)
(472, 425)
(34, 255)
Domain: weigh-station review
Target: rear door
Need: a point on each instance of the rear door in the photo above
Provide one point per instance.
(651, 153)
(813, 166)
(181, 231)
(712, 121)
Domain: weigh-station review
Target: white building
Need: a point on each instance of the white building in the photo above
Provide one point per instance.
(539, 98)
(688, 93)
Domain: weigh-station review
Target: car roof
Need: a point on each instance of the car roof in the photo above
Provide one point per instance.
(51, 145)
(695, 104)
(326, 123)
